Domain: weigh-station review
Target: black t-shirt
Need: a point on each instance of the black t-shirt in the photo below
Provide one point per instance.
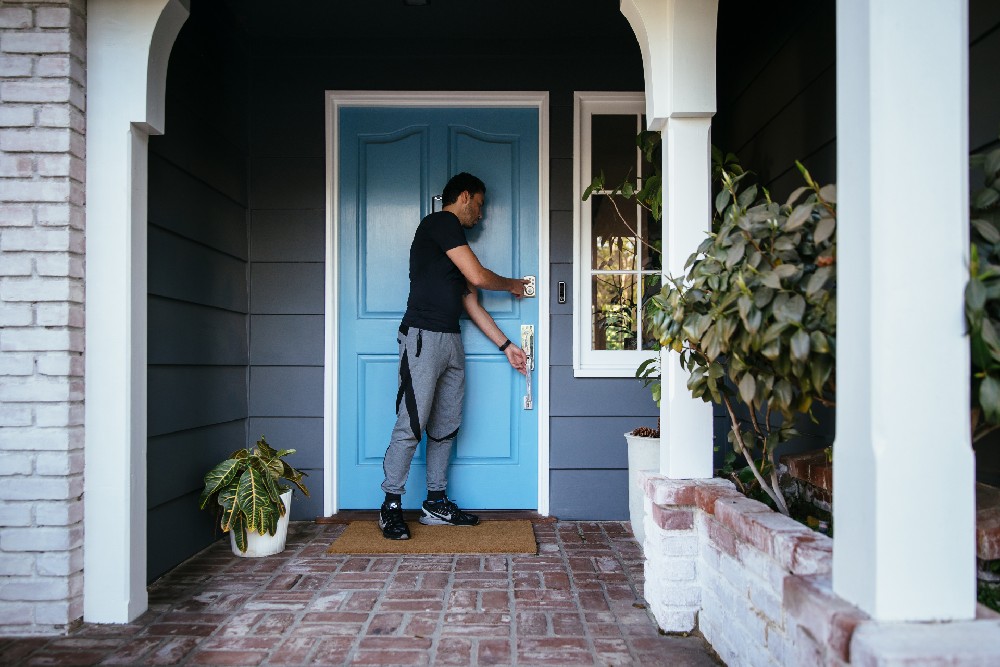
(436, 284)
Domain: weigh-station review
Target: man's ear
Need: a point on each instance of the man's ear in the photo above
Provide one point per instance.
(465, 197)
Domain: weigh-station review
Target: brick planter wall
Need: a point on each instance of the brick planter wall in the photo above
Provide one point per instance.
(42, 52)
(757, 585)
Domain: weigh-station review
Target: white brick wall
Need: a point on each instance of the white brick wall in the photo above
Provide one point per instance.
(42, 92)
(758, 587)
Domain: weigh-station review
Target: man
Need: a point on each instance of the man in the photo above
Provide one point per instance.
(444, 278)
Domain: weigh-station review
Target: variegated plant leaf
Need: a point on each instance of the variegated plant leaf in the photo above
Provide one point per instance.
(265, 449)
(229, 508)
(252, 497)
(295, 477)
(218, 477)
(240, 534)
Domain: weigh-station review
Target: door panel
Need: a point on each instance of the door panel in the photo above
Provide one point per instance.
(392, 162)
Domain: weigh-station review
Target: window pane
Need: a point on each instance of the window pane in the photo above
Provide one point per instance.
(650, 287)
(613, 148)
(613, 321)
(652, 242)
(613, 232)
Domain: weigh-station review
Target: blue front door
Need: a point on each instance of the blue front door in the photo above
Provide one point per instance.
(392, 162)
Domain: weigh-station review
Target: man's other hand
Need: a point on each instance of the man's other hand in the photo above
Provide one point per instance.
(517, 358)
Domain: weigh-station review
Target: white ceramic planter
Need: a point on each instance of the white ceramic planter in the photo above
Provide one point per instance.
(266, 545)
(643, 454)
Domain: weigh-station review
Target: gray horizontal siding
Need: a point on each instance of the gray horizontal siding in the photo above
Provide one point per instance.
(288, 236)
(198, 294)
(189, 333)
(188, 271)
(183, 397)
(303, 434)
(190, 207)
(175, 532)
(589, 495)
(287, 288)
(585, 397)
(286, 340)
(178, 461)
(286, 391)
(289, 183)
(591, 442)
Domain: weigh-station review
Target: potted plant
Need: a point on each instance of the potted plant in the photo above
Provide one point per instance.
(643, 442)
(250, 503)
(754, 318)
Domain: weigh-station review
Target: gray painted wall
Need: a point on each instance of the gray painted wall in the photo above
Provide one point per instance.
(239, 181)
(198, 289)
(594, 50)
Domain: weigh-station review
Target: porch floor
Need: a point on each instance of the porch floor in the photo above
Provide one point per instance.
(578, 602)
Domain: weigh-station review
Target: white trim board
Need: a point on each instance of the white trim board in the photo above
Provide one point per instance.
(587, 362)
(335, 100)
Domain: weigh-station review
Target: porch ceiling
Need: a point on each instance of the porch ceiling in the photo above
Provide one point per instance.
(503, 27)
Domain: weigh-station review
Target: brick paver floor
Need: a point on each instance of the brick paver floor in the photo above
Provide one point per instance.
(578, 602)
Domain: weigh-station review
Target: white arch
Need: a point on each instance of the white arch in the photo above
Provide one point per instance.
(128, 46)
(677, 41)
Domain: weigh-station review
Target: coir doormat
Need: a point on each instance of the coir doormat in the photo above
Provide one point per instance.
(489, 537)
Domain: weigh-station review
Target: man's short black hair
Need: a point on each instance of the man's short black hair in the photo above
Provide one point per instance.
(460, 183)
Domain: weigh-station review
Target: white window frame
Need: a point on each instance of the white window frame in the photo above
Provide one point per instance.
(586, 361)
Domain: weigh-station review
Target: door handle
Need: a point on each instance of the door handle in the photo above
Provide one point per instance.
(528, 345)
(435, 200)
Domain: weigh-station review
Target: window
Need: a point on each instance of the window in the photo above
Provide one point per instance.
(617, 245)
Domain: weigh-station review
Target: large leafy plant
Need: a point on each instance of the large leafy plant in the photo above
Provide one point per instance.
(982, 297)
(245, 493)
(754, 318)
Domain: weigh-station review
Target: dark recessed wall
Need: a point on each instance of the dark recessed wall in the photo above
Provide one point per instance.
(445, 46)
(984, 134)
(239, 181)
(198, 304)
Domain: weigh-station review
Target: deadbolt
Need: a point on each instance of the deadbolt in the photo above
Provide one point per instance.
(529, 288)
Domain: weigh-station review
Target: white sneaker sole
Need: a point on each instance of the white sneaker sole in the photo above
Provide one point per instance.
(432, 520)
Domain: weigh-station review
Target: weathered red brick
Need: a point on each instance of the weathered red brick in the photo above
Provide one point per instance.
(293, 651)
(988, 535)
(454, 651)
(553, 651)
(706, 496)
(391, 658)
(395, 643)
(333, 651)
(227, 658)
(663, 491)
(494, 652)
(672, 518)
(721, 537)
(730, 510)
(810, 603)
(812, 467)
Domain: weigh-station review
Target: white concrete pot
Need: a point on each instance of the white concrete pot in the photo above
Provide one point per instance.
(266, 545)
(643, 454)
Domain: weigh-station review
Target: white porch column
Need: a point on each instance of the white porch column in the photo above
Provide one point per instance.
(128, 45)
(677, 40)
(904, 507)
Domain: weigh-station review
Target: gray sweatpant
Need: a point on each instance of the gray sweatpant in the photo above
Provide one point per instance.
(431, 389)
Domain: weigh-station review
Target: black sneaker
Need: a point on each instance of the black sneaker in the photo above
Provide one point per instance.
(390, 520)
(446, 513)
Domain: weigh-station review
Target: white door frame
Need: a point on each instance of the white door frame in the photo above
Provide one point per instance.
(337, 99)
